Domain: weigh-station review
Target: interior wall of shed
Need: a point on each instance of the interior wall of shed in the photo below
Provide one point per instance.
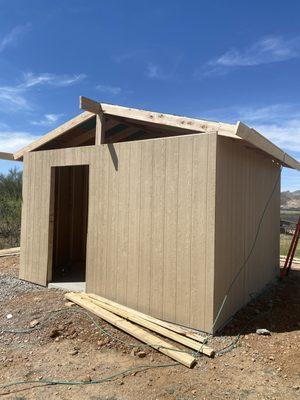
(247, 182)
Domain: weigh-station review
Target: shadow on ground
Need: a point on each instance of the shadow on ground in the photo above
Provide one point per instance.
(277, 309)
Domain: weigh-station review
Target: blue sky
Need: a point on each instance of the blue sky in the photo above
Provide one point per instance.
(218, 60)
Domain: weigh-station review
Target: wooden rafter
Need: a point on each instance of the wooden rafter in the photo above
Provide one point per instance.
(124, 134)
(157, 124)
(6, 156)
(54, 134)
(253, 137)
(155, 118)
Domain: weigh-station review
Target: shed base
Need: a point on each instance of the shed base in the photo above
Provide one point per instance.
(68, 286)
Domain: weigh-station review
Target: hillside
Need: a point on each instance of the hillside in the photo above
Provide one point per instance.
(290, 200)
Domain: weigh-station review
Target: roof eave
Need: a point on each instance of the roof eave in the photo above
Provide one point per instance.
(253, 137)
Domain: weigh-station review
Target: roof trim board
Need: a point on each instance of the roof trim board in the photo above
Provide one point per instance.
(250, 135)
(6, 156)
(196, 125)
(54, 133)
(239, 131)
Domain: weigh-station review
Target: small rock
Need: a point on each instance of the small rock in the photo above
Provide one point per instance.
(141, 354)
(133, 352)
(69, 304)
(296, 387)
(73, 352)
(263, 331)
(271, 358)
(9, 316)
(34, 323)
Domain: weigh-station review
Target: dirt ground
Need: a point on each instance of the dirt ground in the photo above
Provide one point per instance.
(68, 346)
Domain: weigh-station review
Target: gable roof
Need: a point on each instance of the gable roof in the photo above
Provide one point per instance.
(179, 124)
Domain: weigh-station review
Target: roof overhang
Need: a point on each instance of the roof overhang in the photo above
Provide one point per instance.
(6, 156)
(239, 131)
(253, 137)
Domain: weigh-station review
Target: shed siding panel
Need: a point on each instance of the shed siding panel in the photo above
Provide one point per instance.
(245, 181)
(151, 216)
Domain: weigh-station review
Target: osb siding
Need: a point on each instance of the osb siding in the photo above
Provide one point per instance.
(152, 245)
(151, 223)
(245, 181)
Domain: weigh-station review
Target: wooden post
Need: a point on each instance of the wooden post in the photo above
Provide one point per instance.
(100, 129)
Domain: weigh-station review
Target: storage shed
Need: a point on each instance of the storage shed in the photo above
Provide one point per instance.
(165, 214)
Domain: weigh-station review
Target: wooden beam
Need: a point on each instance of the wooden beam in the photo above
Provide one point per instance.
(100, 129)
(54, 134)
(256, 139)
(173, 327)
(133, 317)
(125, 133)
(84, 137)
(139, 333)
(6, 156)
(154, 117)
(10, 252)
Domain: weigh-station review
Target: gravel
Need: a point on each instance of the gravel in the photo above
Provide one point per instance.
(11, 287)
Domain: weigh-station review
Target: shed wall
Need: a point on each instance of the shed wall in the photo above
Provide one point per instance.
(246, 179)
(150, 226)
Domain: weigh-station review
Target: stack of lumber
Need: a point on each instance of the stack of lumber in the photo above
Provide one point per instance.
(133, 322)
(10, 252)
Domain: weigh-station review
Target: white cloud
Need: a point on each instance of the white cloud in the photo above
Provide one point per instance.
(154, 71)
(15, 97)
(112, 90)
(278, 122)
(31, 79)
(48, 120)
(267, 50)
(286, 135)
(11, 141)
(12, 37)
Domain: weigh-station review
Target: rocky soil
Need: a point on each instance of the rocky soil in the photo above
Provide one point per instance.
(62, 343)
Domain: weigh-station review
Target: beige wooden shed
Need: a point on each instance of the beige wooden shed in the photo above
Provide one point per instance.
(157, 212)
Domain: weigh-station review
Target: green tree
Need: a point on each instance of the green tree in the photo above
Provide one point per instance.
(10, 208)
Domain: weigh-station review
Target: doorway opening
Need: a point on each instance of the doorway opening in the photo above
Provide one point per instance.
(70, 222)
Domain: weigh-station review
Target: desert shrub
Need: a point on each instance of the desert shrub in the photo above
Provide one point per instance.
(10, 208)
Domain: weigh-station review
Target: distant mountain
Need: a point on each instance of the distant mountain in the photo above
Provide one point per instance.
(290, 200)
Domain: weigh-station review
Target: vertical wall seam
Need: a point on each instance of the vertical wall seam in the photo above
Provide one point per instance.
(191, 233)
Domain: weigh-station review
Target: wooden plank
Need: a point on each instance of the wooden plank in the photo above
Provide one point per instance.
(154, 117)
(256, 139)
(10, 252)
(122, 135)
(168, 325)
(6, 156)
(100, 129)
(131, 316)
(54, 134)
(139, 333)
